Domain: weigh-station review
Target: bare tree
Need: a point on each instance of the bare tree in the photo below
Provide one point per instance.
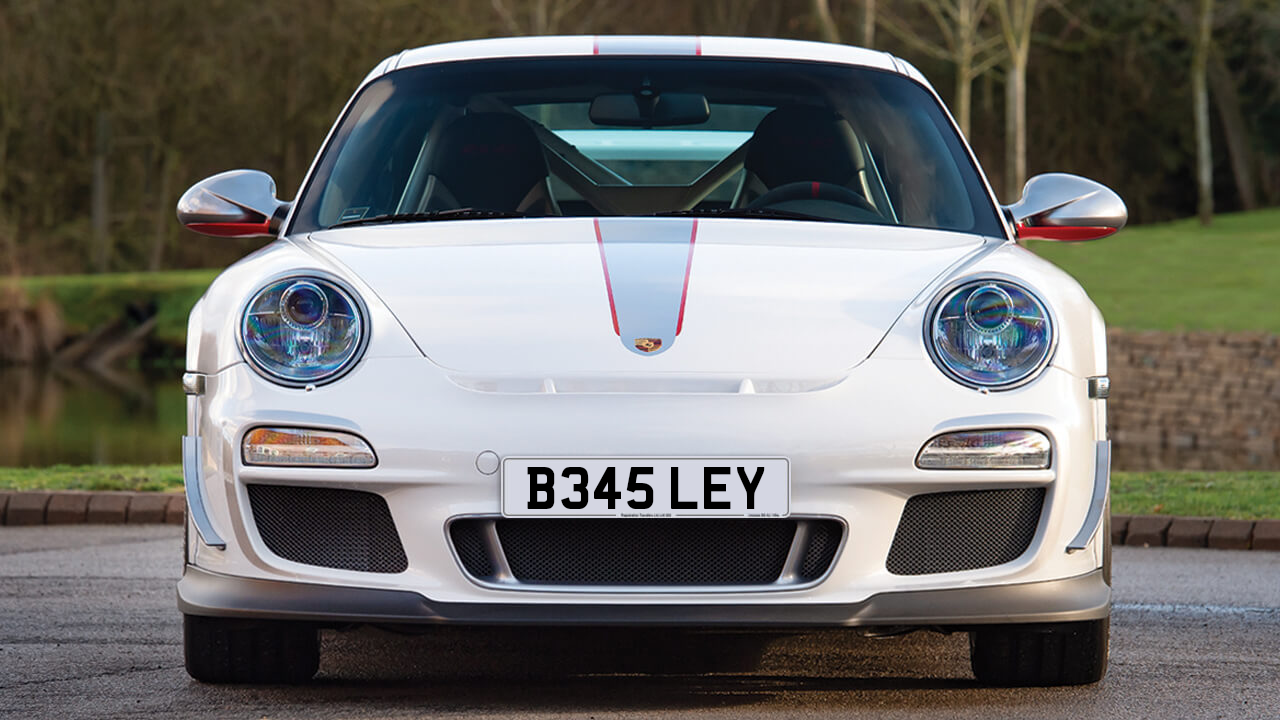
(827, 27)
(868, 23)
(1201, 45)
(959, 24)
(730, 17)
(548, 17)
(1016, 19)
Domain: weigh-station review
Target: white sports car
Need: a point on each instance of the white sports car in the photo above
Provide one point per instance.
(647, 331)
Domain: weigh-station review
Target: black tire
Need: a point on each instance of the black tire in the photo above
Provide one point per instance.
(225, 650)
(1040, 655)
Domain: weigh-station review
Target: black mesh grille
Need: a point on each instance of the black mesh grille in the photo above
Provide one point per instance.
(824, 540)
(469, 544)
(952, 531)
(631, 552)
(344, 529)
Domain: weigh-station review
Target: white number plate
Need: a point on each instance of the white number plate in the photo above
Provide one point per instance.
(646, 487)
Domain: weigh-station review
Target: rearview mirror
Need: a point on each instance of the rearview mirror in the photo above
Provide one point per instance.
(236, 203)
(1058, 206)
(640, 110)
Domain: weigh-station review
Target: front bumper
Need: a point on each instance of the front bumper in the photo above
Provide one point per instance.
(851, 448)
(1084, 597)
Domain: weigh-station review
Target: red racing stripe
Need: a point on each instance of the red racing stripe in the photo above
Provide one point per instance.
(608, 286)
(688, 268)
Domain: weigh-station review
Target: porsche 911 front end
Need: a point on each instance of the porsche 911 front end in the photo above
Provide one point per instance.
(646, 331)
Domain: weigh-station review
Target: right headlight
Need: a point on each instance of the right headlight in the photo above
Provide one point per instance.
(303, 330)
(990, 333)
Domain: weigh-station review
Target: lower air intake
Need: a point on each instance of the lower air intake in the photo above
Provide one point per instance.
(953, 531)
(326, 527)
(647, 552)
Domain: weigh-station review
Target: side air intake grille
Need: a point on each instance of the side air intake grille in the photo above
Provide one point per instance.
(700, 552)
(953, 531)
(343, 529)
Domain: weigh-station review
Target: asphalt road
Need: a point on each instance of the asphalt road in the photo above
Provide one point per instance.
(88, 628)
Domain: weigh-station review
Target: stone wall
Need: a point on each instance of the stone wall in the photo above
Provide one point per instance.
(1199, 400)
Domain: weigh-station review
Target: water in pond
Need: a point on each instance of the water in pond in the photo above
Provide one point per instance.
(50, 417)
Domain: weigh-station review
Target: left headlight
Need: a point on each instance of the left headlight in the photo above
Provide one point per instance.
(990, 333)
(303, 330)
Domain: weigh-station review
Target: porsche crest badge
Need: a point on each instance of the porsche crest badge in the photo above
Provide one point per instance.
(648, 345)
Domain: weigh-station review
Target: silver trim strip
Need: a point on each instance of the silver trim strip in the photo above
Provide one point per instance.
(193, 479)
(493, 545)
(790, 574)
(1101, 484)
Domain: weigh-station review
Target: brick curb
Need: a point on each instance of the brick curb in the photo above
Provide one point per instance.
(94, 508)
(150, 508)
(1174, 531)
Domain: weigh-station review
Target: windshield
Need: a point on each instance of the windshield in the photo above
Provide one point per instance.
(646, 136)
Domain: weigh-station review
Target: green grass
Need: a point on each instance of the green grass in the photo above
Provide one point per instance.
(1182, 276)
(88, 301)
(154, 478)
(1240, 495)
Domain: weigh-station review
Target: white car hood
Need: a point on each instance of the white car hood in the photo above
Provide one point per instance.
(574, 297)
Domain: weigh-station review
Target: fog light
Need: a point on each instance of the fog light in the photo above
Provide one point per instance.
(980, 449)
(299, 446)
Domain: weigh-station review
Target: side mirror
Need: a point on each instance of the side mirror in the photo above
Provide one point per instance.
(236, 203)
(1058, 206)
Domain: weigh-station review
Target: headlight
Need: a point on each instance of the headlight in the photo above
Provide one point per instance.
(990, 333)
(302, 330)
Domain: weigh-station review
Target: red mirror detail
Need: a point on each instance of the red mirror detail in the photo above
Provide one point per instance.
(1064, 233)
(230, 229)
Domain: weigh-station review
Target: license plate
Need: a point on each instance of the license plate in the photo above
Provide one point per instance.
(646, 487)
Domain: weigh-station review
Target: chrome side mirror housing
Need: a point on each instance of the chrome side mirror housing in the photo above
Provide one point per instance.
(236, 203)
(1058, 206)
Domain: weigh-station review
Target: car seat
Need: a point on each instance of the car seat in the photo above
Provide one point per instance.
(801, 143)
(487, 161)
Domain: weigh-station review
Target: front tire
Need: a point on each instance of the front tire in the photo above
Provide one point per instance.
(1040, 655)
(226, 650)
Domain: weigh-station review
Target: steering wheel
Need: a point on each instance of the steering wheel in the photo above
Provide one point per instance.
(806, 190)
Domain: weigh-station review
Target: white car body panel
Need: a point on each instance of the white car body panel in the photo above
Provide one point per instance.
(756, 307)
(800, 340)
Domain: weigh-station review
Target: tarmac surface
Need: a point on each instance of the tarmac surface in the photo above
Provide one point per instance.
(89, 628)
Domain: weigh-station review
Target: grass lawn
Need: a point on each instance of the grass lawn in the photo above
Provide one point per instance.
(88, 301)
(1181, 276)
(1241, 495)
(93, 477)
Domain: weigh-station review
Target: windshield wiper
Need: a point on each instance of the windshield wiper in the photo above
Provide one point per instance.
(454, 214)
(765, 213)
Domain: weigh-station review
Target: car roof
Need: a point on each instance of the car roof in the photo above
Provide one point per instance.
(654, 45)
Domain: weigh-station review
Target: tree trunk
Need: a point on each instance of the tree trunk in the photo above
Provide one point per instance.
(826, 23)
(1016, 20)
(99, 201)
(163, 218)
(1015, 136)
(1200, 104)
(964, 96)
(966, 32)
(1227, 99)
(868, 23)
